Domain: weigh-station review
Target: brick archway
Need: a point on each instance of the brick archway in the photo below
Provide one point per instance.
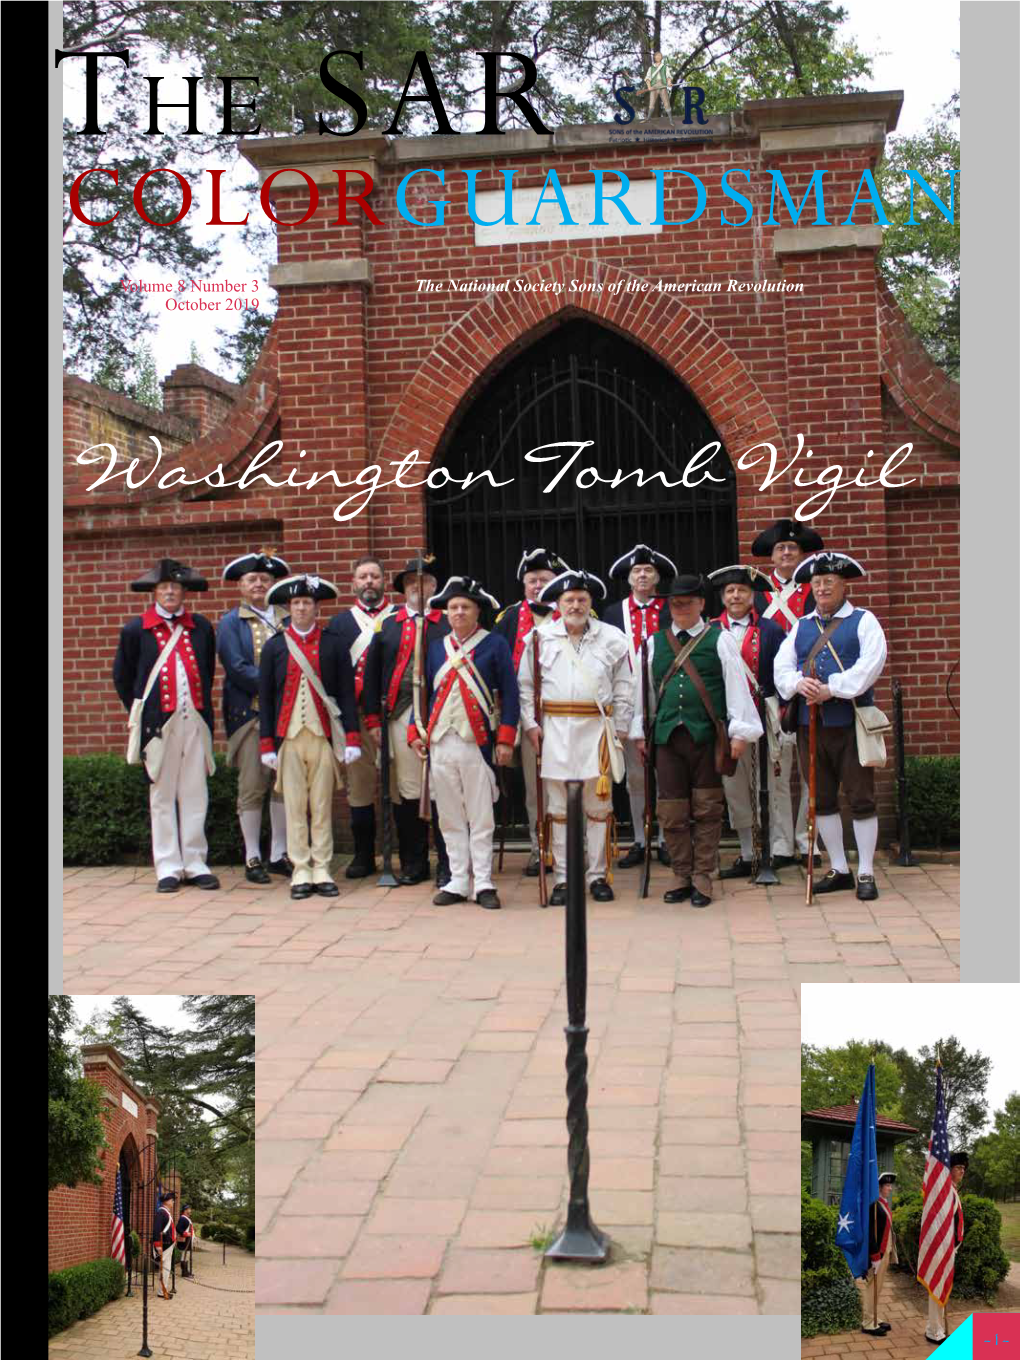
(502, 323)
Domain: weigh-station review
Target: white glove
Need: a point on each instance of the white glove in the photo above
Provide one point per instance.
(270, 760)
(351, 754)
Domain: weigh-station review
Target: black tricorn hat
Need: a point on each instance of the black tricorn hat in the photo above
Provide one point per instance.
(786, 531)
(958, 1159)
(167, 569)
(463, 587)
(539, 559)
(167, 1194)
(688, 583)
(740, 576)
(828, 564)
(887, 1176)
(640, 554)
(308, 585)
(572, 579)
(426, 565)
(264, 560)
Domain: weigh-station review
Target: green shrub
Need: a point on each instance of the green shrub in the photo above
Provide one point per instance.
(249, 1233)
(933, 800)
(981, 1264)
(82, 1290)
(223, 1232)
(209, 1230)
(829, 1301)
(136, 1247)
(106, 812)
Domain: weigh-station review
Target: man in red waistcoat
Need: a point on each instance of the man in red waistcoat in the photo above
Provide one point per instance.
(785, 544)
(639, 616)
(308, 726)
(758, 640)
(165, 664)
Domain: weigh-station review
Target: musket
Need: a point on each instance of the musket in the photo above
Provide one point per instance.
(504, 800)
(646, 872)
(387, 879)
(811, 829)
(766, 875)
(543, 889)
(417, 683)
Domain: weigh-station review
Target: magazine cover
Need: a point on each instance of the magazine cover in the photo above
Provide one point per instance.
(500, 443)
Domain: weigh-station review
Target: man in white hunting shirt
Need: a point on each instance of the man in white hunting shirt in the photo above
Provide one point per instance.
(586, 703)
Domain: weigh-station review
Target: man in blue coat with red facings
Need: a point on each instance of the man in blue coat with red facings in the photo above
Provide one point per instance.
(464, 673)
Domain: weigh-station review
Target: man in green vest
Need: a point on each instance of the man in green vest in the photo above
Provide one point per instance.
(695, 680)
(657, 84)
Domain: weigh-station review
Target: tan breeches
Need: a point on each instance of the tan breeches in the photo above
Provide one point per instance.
(307, 777)
(362, 776)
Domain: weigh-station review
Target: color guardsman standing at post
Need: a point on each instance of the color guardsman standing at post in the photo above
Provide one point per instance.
(163, 1236)
(936, 1327)
(643, 613)
(785, 544)
(881, 1254)
(388, 696)
(758, 640)
(308, 725)
(185, 1237)
(464, 671)
(242, 633)
(163, 671)
(535, 570)
(587, 693)
(702, 715)
(832, 659)
(355, 627)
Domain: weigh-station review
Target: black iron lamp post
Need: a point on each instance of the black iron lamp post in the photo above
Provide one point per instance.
(905, 859)
(580, 1240)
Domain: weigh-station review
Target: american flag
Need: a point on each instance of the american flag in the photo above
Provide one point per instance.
(117, 1225)
(936, 1251)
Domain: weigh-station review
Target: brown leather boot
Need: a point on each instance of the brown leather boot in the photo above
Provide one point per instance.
(675, 820)
(707, 808)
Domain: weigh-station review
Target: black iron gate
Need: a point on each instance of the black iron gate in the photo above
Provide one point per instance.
(580, 381)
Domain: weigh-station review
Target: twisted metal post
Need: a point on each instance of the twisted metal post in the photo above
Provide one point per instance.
(580, 1240)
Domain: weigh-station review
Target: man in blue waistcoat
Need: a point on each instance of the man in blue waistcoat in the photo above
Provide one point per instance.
(242, 633)
(464, 671)
(844, 670)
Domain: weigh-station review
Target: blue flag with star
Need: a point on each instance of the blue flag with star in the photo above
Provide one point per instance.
(860, 1189)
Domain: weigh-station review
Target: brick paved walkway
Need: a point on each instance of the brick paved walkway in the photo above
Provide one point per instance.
(203, 1321)
(411, 1079)
(904, 1304)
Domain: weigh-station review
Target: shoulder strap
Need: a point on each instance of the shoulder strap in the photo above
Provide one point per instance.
(309, 674)
(680, 655)
(823, 637)
(161, 660)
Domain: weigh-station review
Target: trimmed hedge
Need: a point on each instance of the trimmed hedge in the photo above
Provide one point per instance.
(106, 812)
(933, 801)
(223, 1232)
(79, 1291)
(981, 1263)
(829, 1301)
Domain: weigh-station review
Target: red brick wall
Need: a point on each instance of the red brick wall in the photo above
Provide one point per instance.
(366, 373)
(79, 1216)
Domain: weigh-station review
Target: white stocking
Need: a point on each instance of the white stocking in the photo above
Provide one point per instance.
(278, 823)
(746, 844)
(830, 829)
(866, 836)
(251, 826)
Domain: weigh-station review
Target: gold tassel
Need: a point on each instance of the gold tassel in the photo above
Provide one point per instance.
(603, 785)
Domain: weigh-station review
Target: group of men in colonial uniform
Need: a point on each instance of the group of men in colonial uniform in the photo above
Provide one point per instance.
(444, 688)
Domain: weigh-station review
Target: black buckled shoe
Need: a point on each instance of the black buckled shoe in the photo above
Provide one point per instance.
(206, 881)
(664, 857)
(489, 899)
(783, 861)
(299, 891)
(558, 897)
(447, 899)
(866, 889)
(740, 868)
(816, 860)
(698, 899)
(284, 866)
(327, 889)
(634, 856)
(601, 891)
(833, 882)
(360, 867)
(417, 873)
(168, 884)
(255, 872)
(677, 894)
(531, 868)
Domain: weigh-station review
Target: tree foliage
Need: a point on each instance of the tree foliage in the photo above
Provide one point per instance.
(921, 260)
(995, 1160)
(835, 1076)
(964, 1081)
(77, 1133)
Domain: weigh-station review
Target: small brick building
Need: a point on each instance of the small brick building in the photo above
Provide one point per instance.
(363, 365)
(80, 1216)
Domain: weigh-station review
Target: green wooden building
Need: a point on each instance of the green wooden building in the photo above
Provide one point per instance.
(830, 1133)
